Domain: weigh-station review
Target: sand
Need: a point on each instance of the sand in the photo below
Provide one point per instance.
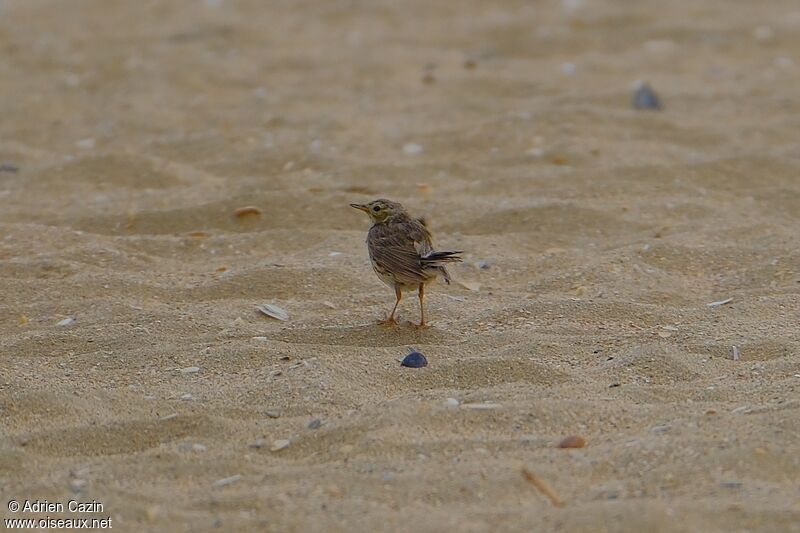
(594, 237)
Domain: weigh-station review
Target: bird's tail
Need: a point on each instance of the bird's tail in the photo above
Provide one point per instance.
(439, 260)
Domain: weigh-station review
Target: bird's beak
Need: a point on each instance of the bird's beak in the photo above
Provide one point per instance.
(360, 207)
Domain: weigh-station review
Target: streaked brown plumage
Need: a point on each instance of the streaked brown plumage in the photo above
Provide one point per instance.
(402, 253)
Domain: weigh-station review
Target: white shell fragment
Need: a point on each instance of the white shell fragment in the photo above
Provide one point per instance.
(273, 311)
(720, 302)
(67, 321)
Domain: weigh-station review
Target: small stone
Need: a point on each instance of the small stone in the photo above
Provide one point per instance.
(315, 424)
(484, 265)
(273, 414)
(198, 447)
(190, 370)
(66, 322)
(259, 443)
(644, 97)
(660, 429)
(412, 149)
(8, 167)
(573, 441)
(280, 444)
(451, 402)
(187, 397)
(414, 360)
(569, 68)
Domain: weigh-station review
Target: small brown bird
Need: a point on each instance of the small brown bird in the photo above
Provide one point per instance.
(402, 253)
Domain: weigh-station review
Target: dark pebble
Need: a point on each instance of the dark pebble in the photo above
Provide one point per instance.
(414, 360)
(644, 97)
(7, 167)
(315, 424)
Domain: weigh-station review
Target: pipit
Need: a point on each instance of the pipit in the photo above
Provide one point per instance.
(402, 253)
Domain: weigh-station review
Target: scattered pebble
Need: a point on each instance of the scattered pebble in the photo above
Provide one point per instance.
(484, 265)
(329, 305)
(569, 68)
(315, 424)
(280, 444)
(259, 443)
(273, 311)
(67, 321)
(720, 302)
(249, 210)
(660, 429)
(273, 414)
(334, 254)
(8, 167)
(414, 360)
(451, 402)
(187, 397)
(224, 482)
(198, 447)
(644, 97)
(190, 370)
(413, 149)
(573, 441)
(169, 417)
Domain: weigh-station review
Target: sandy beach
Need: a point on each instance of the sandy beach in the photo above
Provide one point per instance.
(135, 370)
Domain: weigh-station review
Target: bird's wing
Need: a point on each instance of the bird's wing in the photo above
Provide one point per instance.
(397, 249)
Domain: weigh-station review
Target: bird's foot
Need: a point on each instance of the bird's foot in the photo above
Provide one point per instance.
(389, 322)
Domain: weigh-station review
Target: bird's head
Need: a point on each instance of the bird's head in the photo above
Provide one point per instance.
(381, 209)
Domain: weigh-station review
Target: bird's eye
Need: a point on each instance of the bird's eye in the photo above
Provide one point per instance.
(376, 208)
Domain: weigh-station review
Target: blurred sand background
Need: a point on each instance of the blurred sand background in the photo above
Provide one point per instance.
(137, 128)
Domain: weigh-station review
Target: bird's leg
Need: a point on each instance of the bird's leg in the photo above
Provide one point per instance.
(391, 321)
(422, 323)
